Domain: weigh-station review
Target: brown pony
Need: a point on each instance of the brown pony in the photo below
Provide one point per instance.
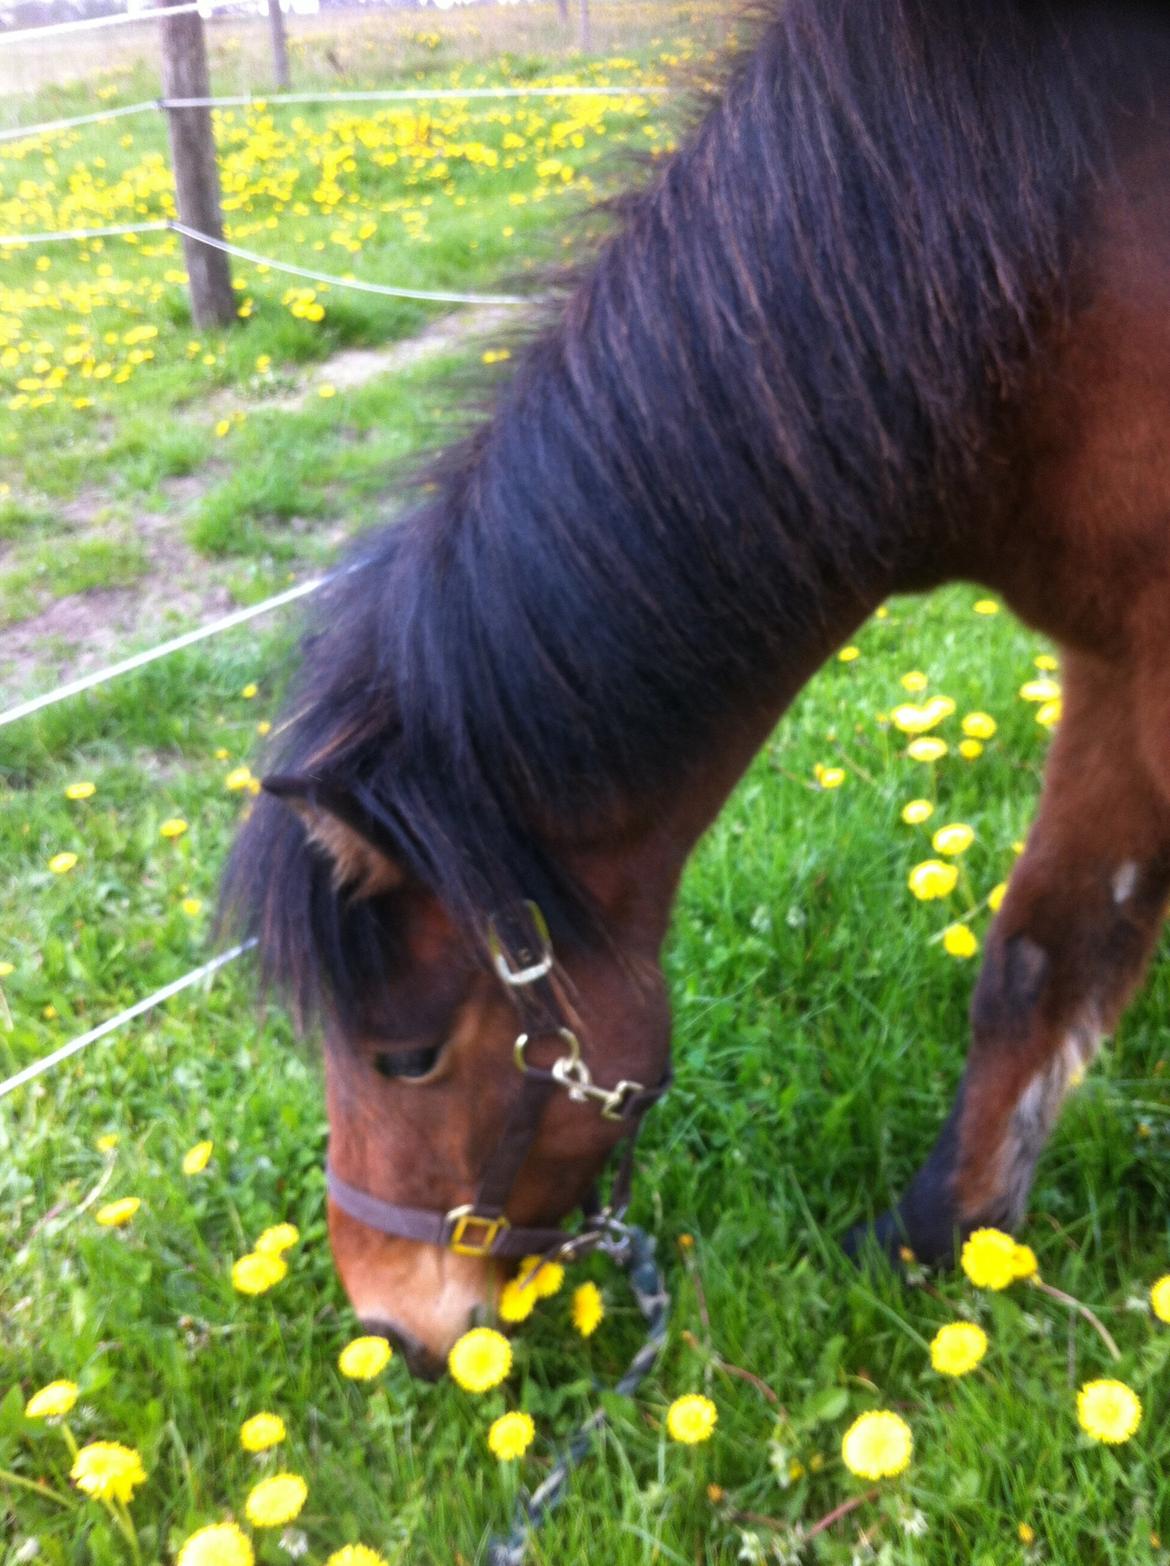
(896, 313)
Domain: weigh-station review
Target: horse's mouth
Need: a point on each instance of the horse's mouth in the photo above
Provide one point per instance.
(418, 1359)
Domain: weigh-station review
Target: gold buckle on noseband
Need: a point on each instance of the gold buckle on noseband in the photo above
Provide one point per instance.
(461, 1219)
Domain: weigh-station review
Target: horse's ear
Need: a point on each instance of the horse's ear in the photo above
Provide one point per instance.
(363, 864)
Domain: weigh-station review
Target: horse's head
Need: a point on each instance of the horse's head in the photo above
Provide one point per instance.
(476, 1084)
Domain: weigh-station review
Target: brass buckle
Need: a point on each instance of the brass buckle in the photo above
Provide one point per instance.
(461, 1219)
(517, 978)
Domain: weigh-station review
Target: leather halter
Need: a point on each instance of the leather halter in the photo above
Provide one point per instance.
(482, 1228)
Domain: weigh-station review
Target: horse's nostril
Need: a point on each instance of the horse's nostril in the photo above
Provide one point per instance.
(418, 1358)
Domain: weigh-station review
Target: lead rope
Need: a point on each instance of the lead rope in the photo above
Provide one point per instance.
(633, 1252)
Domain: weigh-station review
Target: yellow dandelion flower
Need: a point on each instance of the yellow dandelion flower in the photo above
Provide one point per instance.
(909, 719)
(931, 879)
(62, 863)
(364, 1358)
(1026, 1534)
(192, 906)
(221, 1544)
(915, 811)
(691, 1419)
(261, 1432)
(277, 1238)
(1160, 1298)
(510, 1436)
(264, 363)
(249, 690)
(970, 749)
(196, 1159)
(914, 682)
(979, 725)
(1039, 690)
(223, 426)
(1024, 1263)
(276, 1501)
(1050, 713)
(1109, 1411)
(107, 1142)
(849, 655)
(238, 778)
(263, 727)
(959, 940)
(1046, 662)
(108, 1471)
(588, 1309)
(957, 1348)
(81, 790)
(356, 1555)
(987, 606)
(953, 840)
(516, 1301)
(114, 1214)
(6, 968)
(52, 1401)
(544, 1277)
(326, 390)
(928, 747)
(989, 1259)
(480, 1359)
(173, 827)
(996, 896)
(877, 1445)
(829, 777)
(256, 1273)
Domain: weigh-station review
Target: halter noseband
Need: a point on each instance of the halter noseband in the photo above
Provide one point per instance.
(482, 1228)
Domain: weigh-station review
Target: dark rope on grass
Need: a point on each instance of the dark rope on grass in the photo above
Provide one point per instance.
(637, 1260)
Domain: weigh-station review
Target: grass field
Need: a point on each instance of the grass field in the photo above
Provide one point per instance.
(820, 1028)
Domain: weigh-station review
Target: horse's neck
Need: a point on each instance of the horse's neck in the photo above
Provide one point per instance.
(639, 870)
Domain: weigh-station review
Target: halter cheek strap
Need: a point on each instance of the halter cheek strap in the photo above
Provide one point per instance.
(481, 1228)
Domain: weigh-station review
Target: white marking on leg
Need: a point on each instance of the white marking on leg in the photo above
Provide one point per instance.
(1039, 1105)
(1124, 881)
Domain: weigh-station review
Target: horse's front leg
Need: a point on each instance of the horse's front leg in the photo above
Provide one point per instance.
(1067, 948)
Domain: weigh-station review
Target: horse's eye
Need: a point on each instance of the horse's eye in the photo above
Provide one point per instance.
(407, 1062)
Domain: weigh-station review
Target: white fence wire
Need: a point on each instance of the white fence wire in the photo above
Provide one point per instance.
(87, 24)
(227, 622)
(37, 1068)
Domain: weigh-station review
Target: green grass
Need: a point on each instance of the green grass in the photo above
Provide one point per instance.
(819, 1025)
(819, 1036)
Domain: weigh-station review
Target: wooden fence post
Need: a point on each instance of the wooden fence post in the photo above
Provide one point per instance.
(279, 44)
(185, 75)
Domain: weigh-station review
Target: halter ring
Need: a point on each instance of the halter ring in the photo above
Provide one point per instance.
(568, 1062)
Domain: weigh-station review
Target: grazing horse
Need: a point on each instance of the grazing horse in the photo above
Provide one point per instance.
(897, 312)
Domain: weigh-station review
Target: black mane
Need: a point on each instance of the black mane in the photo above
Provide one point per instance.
(770, 391)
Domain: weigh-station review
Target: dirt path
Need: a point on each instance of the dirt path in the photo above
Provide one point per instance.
(181, 588)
